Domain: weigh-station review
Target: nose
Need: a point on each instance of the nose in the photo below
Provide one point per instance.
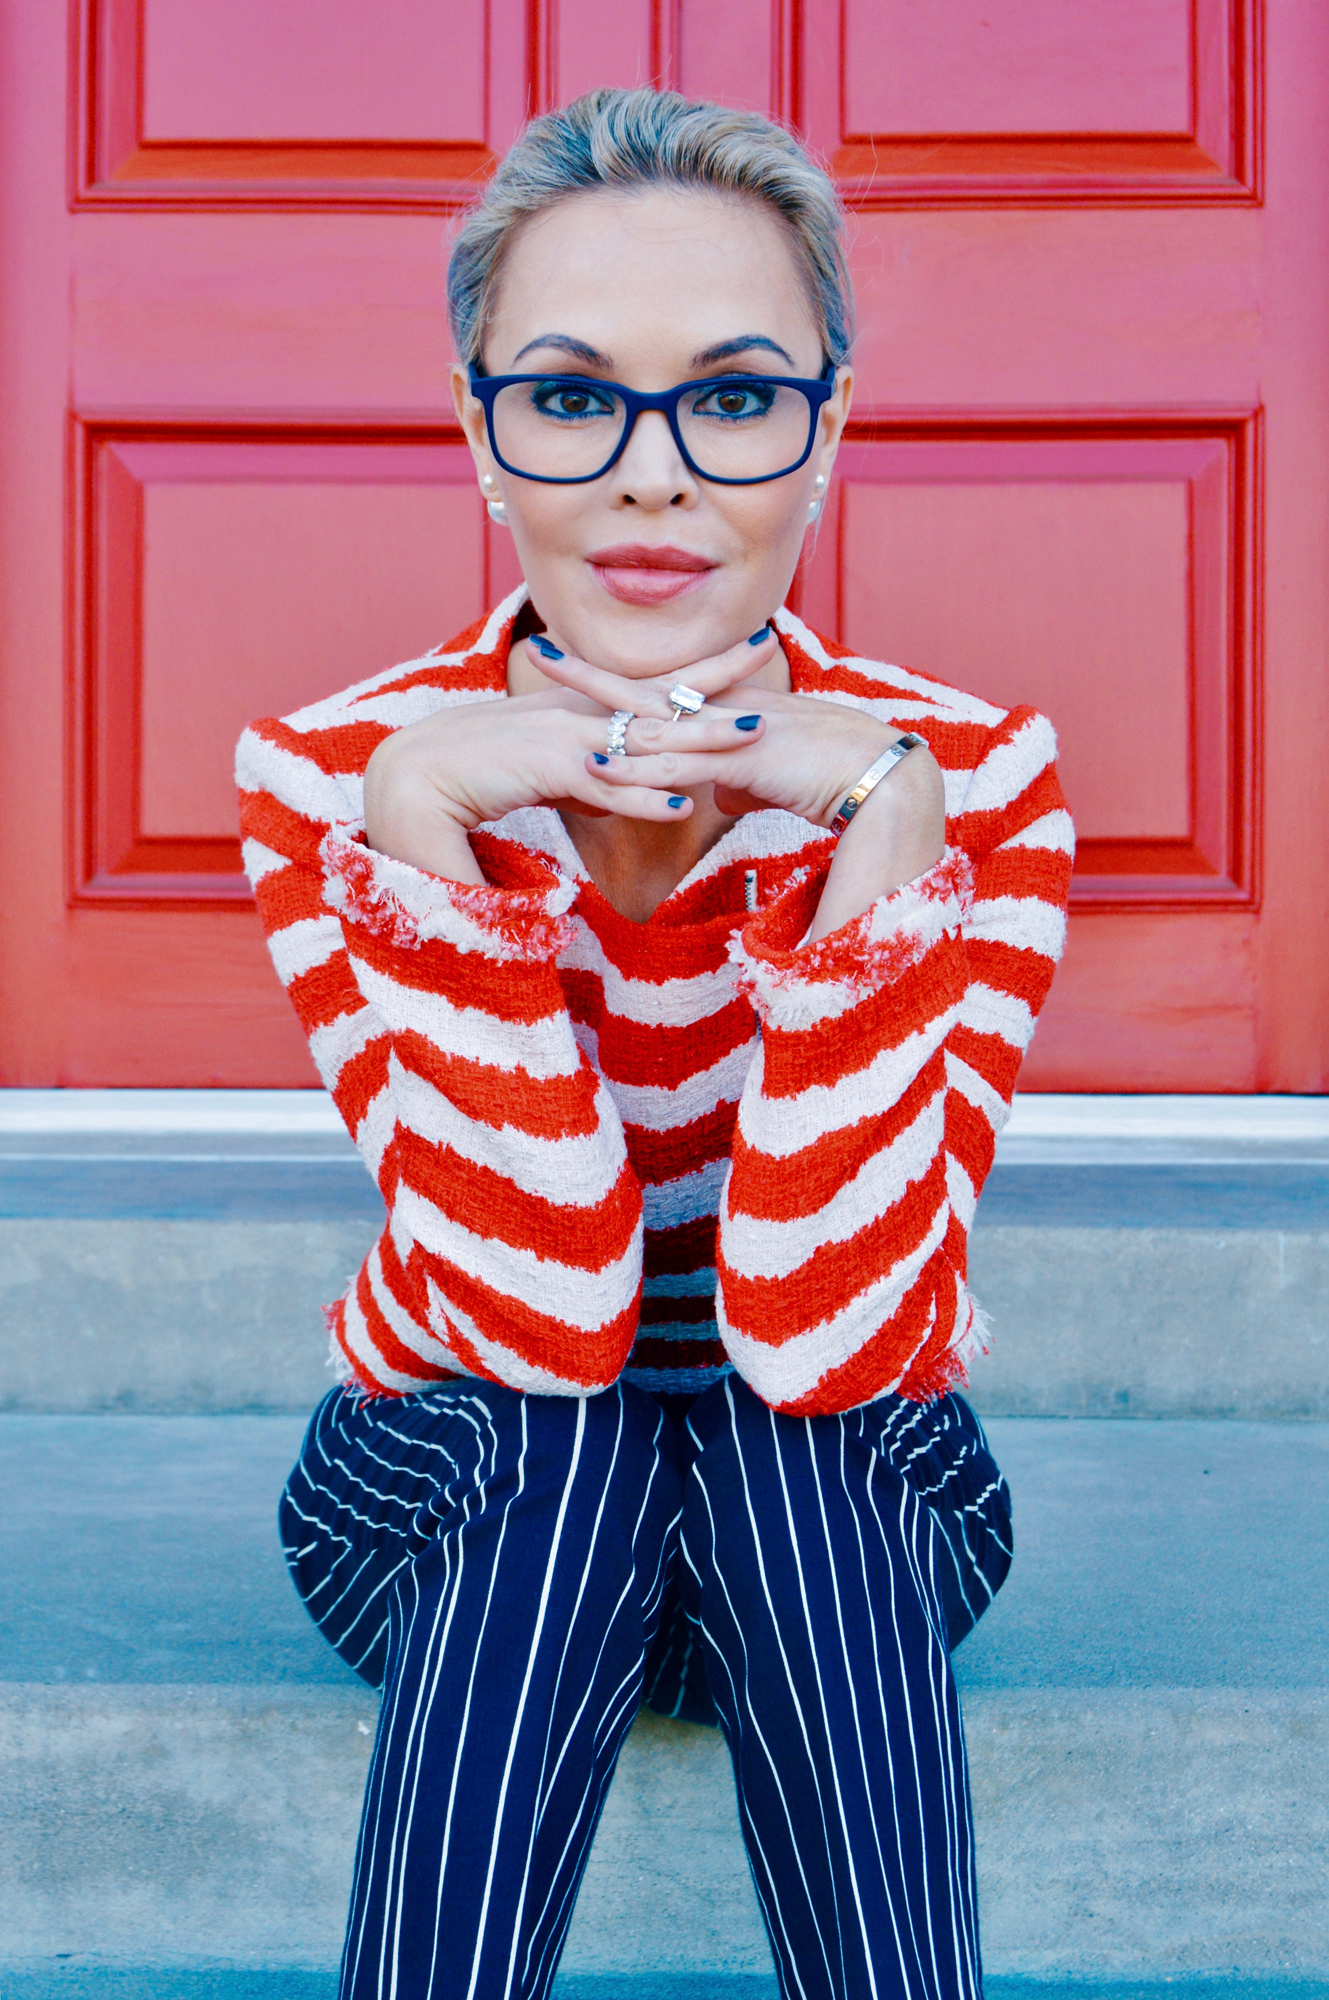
(652, 472)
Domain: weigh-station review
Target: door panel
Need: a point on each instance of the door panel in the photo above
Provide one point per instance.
(418, 76)
(219, 555)
(1103, 577)
(291, 103)
(1052, 100)
(1071, 597)
(230, 575)
(1046, 67)
(1086, 466)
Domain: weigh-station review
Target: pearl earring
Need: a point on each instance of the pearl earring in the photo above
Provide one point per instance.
(815, 506)
(497, 511)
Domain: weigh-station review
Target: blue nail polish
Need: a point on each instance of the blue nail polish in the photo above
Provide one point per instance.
(747, 722)
(676, 802)
(757, 637)
(598, 758)
(542, 645)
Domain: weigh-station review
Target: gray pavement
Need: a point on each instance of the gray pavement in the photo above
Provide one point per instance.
(1147, 1708)
(220, 1187)
(73, 1982)
(191, 1281)
(1171, 1554)
(181, 1757)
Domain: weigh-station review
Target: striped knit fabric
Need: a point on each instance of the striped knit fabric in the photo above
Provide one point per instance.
(660, 1149)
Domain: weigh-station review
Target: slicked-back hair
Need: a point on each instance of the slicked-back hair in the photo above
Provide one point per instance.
(629, 140)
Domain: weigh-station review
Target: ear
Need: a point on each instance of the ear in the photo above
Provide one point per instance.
(834, 417)
(471, 417)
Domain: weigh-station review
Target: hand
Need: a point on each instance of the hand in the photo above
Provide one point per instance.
(801, 756)
(427, 785)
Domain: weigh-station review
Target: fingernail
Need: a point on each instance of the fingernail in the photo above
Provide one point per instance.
(747, 722)
(676, 802)
(542, 645)
(757, 637)
(598, 758)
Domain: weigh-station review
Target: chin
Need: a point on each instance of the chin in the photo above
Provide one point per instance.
(640, 641)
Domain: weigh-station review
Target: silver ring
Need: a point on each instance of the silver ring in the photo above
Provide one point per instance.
(618, 731)
(685, 701)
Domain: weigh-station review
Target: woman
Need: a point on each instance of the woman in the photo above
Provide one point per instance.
(672, 968)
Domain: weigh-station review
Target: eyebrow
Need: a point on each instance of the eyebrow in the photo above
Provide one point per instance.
(744, 342)
(581, 350)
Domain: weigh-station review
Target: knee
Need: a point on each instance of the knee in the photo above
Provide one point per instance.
(733, 1429)
(760, 1472)
(617, 1426)
(742, 1452)
(607, 1464)
(621, 1433)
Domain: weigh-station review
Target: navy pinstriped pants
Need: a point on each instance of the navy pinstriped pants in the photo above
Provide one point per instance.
(519, 1572)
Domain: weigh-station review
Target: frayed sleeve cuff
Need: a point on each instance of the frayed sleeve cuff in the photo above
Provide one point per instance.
(408, 907)
(793, 984)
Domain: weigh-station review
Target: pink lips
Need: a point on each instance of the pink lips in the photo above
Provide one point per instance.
(637, 573)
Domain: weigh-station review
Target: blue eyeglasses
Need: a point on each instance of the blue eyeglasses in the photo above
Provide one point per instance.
(735, 430)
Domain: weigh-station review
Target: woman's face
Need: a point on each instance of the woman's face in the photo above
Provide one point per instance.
(652, 289)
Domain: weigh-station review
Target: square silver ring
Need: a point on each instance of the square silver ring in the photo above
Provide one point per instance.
(685, 701)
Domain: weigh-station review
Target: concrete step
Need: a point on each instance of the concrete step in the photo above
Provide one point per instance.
(105, 1982)
(1147, 1709)
(170, 1251)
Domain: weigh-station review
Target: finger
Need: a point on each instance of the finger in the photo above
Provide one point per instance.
(649, 734)
(651, 696)
(562, 700)
(631, 801)
(725, 670)
(578, 806)
(674, 771)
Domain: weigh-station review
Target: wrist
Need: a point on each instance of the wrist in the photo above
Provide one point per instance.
(400, 797)
(422, 833)
(854, 766)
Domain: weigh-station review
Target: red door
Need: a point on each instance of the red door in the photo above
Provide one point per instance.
(1087, 467)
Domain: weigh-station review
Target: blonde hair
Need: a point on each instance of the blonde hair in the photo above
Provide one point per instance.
(632, 139)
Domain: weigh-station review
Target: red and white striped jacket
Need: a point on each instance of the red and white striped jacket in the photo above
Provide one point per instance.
(656, 1150)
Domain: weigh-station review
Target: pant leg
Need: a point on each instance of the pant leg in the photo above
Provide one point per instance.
(359, 1505)
(941, 1452)
(825, 1587)
(523, 1595)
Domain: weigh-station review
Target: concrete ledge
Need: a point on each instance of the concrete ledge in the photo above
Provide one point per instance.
(180, 1823)
(155, 1315)
(1194, 1125)
(170, 1250)
(1141, 1835)
(1153, 1322)
(170, 1316)
(143, 1549)
(1158, 1832)
(68, 1981)
(246, 1114)
(78, 1978)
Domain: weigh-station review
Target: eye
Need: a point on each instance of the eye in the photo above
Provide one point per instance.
(570, 401)
(736, 400)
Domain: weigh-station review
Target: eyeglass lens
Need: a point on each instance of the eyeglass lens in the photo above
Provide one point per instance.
(570, 428)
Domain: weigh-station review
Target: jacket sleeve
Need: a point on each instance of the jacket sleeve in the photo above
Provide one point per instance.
(437, 1021)
(868, 1122)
